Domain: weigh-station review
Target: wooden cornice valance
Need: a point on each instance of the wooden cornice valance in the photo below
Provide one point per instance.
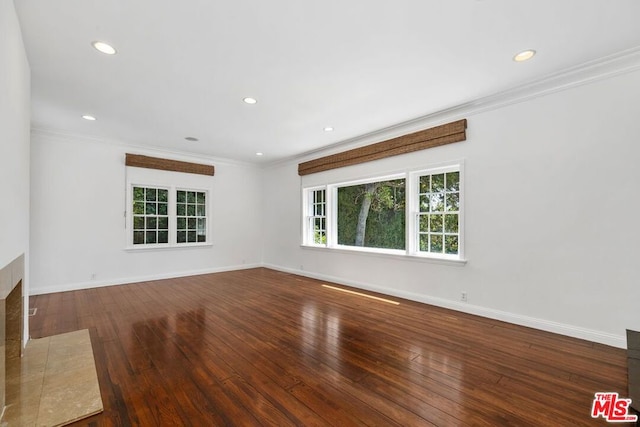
(439, 135)
(140, 161)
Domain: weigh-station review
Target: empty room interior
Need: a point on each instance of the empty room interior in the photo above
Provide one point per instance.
(319, 213)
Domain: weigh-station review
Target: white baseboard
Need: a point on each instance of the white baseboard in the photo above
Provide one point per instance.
(123, 281)
(531, 322)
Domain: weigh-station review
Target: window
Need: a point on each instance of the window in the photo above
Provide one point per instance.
(372, 214)
(166, 216)
(191, 216)
(415, 213)
(316, 220)
(439, 213)
(150, 215)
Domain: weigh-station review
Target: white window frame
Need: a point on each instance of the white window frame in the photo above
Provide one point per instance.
(308, 229)
(412, 191)
(172, 204)
(413, 211)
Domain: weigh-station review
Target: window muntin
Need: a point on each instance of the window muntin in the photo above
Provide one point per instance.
(372, 214)
(439, 213)
(150, 215)
(191, 216)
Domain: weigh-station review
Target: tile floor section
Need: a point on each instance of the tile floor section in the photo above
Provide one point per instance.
(54, 384)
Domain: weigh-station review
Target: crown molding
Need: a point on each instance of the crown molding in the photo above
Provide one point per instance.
(606, 67)
(60, 135)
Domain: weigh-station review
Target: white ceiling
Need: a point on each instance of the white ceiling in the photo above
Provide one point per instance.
(183, 67)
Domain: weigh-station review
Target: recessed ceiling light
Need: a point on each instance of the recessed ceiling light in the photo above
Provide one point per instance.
(88, 117)
(259, 154)
(103, 47)
(525, 55)
(328, 129)
(191, 138)
(250, 100)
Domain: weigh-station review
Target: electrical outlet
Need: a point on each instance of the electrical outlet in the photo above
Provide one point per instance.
(463, 297)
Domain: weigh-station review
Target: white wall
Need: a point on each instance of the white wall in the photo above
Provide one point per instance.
(78, 202)
(551, 216)
(15, 116)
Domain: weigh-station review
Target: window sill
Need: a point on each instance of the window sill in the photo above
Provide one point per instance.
(393, 254)
(166, 247)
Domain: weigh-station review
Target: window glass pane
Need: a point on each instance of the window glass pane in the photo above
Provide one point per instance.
(437, 183)
(151, 223)
(424, 223)
(138, 222)
(191, 223)
(201, 198)
(191, 197)
(437, 202)
(202, 226)
(453, 201)
(151, 194)
(163, 237)
(436, 243)
(138, 208)
(453, 181)
(191, 210)
(424, 203)
(151, 237)
(451, 244)
(200, 211)
(181, 223)
(181, 196)
(162, 209)
(150, 209)
(424, 184)
(436, 223)
(138, 194)
(163, 195)
(451, 223)
(191, 236)
(163, 223)
(182, 236)
(424, 242)
(138, 237)
(202, 237)
(181, 209)
(372, 215)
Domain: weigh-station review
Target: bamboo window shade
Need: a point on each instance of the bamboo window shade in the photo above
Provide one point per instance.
(421, 140)
(140, 161)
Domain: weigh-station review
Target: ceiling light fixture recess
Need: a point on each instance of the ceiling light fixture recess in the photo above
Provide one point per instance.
(89, 117)
(103, 47)
(259, 154)
(525, 55)
(249, 100)
(328, 129)
(191, 138)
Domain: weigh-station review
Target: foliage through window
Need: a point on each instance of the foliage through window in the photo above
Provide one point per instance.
(191, 216)
(317, 219)
(164, 216)
(413, 213)
(372, 215)
(150, 215)
(439, 213)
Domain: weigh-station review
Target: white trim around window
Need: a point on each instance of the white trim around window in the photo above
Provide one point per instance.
(433, 214)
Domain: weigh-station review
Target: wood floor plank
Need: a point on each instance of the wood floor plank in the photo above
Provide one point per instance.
(262, 347)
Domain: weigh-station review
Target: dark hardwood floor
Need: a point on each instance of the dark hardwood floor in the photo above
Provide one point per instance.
(260, 347)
